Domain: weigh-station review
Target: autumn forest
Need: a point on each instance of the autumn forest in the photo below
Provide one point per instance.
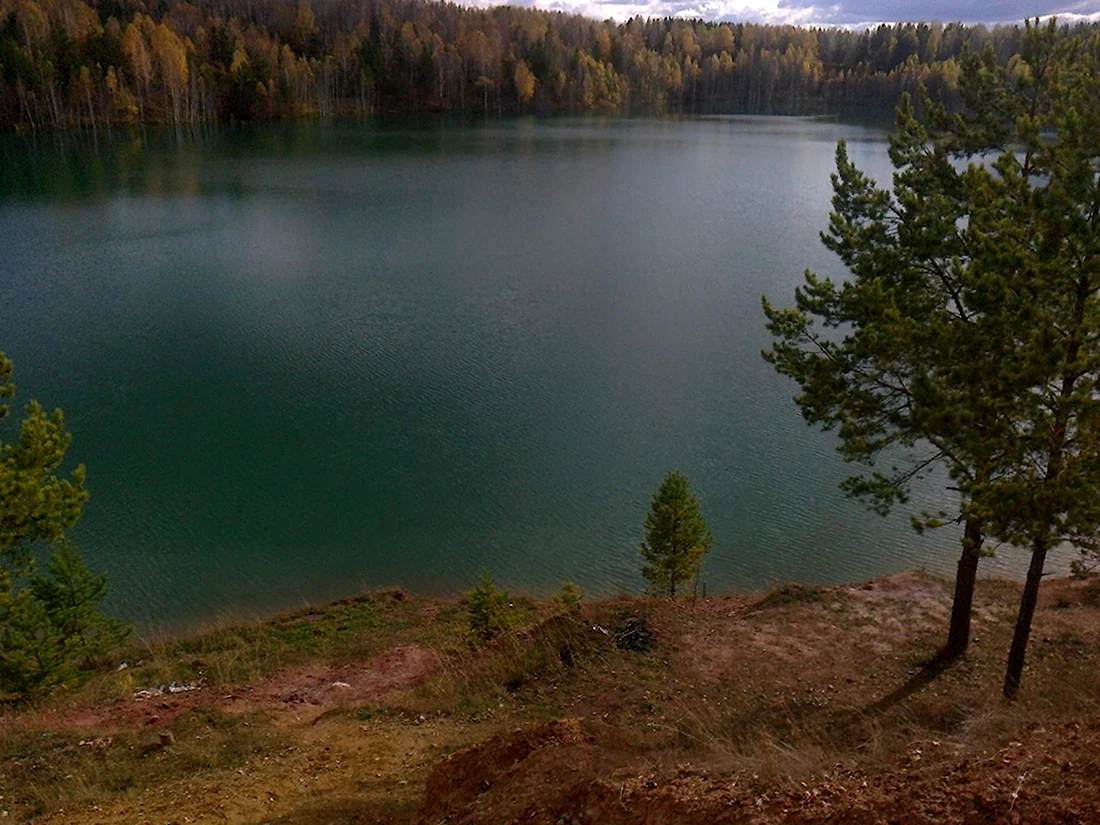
(66, 63)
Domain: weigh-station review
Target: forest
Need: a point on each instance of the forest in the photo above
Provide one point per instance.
(70, 63)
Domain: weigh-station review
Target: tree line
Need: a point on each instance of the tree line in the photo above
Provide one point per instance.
(66, 63)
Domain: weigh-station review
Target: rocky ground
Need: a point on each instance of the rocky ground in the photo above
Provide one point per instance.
(803, 705)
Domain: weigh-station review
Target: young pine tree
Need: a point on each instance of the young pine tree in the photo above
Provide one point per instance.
(49, 625)
(676, 536)
(37, 503)
(33, 653)
(71, 595)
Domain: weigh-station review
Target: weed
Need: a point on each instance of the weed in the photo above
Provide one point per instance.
(786, 594)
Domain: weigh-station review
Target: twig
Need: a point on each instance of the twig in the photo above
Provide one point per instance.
(1016, 793)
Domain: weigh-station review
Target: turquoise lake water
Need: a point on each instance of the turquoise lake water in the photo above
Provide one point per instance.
(304, 359)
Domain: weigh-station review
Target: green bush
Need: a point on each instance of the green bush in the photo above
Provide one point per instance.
(569, 596)
(487, 608)
(51, 628)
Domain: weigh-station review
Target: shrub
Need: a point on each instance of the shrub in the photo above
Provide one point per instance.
(487, 608)
(569, 596)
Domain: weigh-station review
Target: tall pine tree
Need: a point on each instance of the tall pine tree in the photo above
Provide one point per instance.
(968, 333)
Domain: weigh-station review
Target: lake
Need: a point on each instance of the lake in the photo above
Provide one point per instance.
(304, 359)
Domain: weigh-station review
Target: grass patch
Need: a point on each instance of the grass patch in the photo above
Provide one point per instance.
(342, 632)
(524, 666)
(791, 739)
(42, 770)
(786, 594)
(1090, 594)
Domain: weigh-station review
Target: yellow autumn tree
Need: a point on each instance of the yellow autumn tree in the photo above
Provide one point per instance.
(525, 82)
(141, 64)
(32, 22)
(170, 53)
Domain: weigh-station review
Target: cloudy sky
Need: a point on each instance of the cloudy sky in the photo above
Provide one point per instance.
(849, 13)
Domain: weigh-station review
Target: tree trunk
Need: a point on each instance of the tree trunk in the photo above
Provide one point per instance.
(958, 638)
(1015, 668)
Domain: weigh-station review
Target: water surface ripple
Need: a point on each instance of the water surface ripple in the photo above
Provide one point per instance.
(299, 360)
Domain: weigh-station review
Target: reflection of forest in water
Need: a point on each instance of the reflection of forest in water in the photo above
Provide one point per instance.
(163, 161)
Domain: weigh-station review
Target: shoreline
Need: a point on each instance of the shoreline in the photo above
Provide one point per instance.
(230, 617)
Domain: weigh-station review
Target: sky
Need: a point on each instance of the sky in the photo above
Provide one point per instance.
(847, 13)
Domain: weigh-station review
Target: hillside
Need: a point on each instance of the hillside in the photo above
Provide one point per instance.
(803, 705)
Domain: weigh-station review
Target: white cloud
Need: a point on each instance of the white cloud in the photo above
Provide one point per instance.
(849, 14)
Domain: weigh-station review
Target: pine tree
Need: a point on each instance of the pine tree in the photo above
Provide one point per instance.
(676, 536)
(895, 358)
(1039, 226)
(71, 595)
(49, 625)
(33, 653)
(36, 503)
(968, 334)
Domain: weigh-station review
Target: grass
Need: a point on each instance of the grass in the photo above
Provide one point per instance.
(344, 631)
(525, 666)
(42, 770)
(1090, 594)
(785, 594)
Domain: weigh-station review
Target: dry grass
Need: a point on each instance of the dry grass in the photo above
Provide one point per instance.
(47, 770)
(522, 668)
(789, 593)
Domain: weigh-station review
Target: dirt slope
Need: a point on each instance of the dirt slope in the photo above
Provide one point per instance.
(805, 705)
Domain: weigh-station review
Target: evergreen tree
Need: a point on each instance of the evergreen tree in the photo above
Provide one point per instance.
(676, 536)
(49, 625)
(968, 333)
(37, 504)
(33, 653)
(1039, 231)
(71, 595)
(896, 358)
